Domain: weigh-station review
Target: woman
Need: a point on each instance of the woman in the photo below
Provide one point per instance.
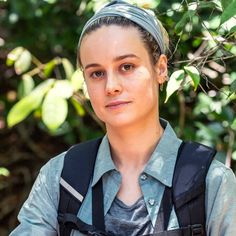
(122, 55)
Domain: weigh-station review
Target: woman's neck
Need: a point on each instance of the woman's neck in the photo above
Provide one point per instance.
(132, 147)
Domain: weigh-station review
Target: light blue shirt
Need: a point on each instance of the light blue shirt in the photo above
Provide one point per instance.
(38, 216)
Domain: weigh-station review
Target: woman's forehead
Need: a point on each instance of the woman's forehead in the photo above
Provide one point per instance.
(111, 32)
(112, 40)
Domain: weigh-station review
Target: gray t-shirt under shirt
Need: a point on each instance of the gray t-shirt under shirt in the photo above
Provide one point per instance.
(123, 220)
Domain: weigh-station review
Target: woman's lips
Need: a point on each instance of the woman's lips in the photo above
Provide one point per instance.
(117, 104)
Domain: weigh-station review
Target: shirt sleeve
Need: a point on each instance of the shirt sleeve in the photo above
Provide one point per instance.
(38, 215)
(220, 201)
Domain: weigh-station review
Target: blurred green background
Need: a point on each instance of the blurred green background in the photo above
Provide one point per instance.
(43, 104)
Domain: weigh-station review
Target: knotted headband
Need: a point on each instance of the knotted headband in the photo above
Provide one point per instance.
(133, 13)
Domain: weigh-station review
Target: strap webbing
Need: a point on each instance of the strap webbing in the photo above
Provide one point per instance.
(164, 212)
(188, 185)
(97, 206)
(66, 201)
(77, 172)
(193, 230)
(187, 194)
(80, 157)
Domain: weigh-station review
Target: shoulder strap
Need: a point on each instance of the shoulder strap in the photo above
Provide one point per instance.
(76, 175)
(187, 193)
(191, 168)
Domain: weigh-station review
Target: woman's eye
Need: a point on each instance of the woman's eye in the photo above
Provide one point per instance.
(97, 74)
(127, 67)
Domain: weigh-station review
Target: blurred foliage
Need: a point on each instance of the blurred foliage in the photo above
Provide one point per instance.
(43, 104)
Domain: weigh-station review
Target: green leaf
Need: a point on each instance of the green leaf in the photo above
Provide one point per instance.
(234, 155)
(50, 1)
(203, 104)
(62, 88)
(23, 62)
(146, 4)
(232, 87)
(233, 29)
(14, 55)
(214, 23)
(77, 80)
(78, 107)
(23, 108)
(27, 104)
(193, 74)
(174, 83)
(230, 11)
(5, 172)
(211, 131)
(48, 68)
(68, 67)
(233, 125)
(54, 111)
(43, 87)
(184, 20)
(225, 3)
(203, 4)
(233, 50)
(26, 85)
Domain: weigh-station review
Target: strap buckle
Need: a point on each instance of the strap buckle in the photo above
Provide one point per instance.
(197, 229)
(98, 233)
(71, 221)
(67, 219)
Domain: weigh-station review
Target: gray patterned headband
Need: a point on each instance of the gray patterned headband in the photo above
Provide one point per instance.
(133, 13)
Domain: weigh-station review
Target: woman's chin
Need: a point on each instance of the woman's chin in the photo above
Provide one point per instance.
(119, 123)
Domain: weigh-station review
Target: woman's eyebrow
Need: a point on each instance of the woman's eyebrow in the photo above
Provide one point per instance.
(125, 56)
(91, 65)
(118, 58)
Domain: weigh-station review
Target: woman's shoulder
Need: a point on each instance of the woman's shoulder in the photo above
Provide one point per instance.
(220, 200)
(219, 177)
(218, 170)
(54, 166)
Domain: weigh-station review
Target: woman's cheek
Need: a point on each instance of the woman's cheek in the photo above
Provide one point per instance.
(142, 73)
(96, 102)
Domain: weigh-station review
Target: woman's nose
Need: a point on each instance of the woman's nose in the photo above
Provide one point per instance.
(113, 84)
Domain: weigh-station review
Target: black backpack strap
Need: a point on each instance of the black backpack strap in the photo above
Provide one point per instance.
(187, 193)
(164, 211)
(76, 175)
(98, 207)
(184, 231)
(189, 186)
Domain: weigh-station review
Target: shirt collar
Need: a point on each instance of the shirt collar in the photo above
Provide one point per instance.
(162, 161)
(160, 165)
(104, 162)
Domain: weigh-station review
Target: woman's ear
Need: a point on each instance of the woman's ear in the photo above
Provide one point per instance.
(161, 69)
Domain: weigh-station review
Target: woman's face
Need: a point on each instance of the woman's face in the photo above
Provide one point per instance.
(121, 80)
